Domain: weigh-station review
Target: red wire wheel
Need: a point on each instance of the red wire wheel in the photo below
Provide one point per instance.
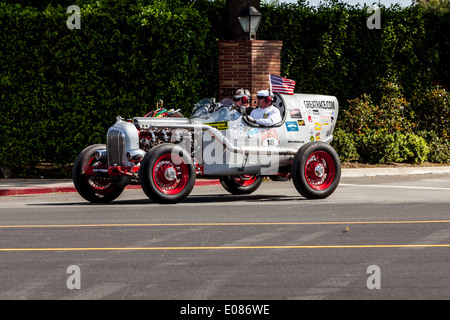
(170, 174)
(245, 180)
(167, 173)
(241, 184)
(320, 170)
(99, 182)
(97, 188)
(316, 170)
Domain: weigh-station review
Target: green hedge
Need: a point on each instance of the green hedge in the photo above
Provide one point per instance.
(330, 50)
(61, 89)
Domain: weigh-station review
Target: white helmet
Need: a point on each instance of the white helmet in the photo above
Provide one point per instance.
(243, 94)
(265, 94)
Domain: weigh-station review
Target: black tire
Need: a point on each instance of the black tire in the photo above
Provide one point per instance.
(167, 173)
(97, 188)
(242, 184)
(316, 170)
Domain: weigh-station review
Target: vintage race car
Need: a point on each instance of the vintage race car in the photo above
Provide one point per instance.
(165, 155)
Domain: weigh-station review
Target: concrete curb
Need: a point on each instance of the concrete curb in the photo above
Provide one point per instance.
(30, 187)
(400, 171)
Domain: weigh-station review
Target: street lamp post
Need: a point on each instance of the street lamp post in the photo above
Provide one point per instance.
(249, 18)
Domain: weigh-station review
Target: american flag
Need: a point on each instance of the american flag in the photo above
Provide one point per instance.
(281, 85)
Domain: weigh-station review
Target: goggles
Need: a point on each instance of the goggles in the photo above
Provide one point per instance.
(243, 97)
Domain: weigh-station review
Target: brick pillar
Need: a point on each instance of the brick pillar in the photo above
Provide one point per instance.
(247, 64)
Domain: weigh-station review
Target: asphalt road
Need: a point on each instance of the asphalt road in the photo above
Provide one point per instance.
(388, 233)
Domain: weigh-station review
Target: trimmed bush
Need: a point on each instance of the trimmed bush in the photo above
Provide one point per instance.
(439, 147)
(345, 144)
(61, 89)
(378, 146)
(432, 109)
(392, 114)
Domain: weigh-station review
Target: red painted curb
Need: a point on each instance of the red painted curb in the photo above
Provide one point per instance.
(41, 190)
(24, 191)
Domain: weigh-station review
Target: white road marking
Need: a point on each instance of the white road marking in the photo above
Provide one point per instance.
(391, 186)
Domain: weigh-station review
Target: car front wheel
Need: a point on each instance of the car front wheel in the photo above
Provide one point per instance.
(167, 173)
(97, 188)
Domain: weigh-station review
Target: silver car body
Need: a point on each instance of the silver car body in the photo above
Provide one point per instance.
(222, 142)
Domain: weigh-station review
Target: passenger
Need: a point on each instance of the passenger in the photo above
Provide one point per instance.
(242, 99)
(267, 114)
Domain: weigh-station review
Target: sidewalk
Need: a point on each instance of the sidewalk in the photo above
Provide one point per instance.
(10, 187)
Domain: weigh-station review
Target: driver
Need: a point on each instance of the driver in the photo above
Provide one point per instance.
(267, 114)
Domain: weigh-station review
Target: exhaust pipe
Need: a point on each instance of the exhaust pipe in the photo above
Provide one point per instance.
(216, 133)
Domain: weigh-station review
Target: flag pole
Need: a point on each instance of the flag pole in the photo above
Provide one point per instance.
(270, 86)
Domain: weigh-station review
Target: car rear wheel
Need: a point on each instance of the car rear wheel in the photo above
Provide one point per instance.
(167, 173)
(241, 184)
(97, 188)
(316, 170)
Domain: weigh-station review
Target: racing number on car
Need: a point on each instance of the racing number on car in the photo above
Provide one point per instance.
(269, 138)
(270, 142)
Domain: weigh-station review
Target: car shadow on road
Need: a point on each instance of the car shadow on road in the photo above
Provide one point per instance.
(192, 199)
(234, 198)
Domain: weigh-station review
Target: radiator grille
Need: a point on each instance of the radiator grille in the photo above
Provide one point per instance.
(115, 145)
